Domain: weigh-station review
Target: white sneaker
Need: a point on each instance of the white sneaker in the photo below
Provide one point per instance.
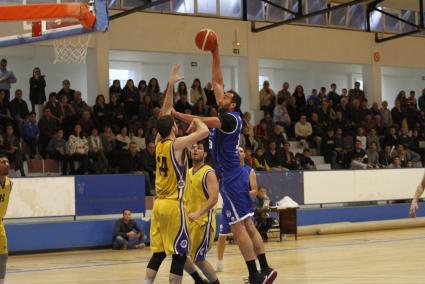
(219, 267)
(286, 202)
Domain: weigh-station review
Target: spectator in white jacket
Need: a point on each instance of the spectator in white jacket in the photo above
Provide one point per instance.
(303, 129)
(78, 149)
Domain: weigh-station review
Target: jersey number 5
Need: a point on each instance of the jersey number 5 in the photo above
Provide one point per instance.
(163, 168)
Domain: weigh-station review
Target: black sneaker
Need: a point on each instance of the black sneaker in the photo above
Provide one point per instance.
(270, 275)
(257, 278)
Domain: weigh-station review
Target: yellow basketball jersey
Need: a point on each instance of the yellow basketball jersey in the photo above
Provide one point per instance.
(5, 190)
(169, 176)
(196, 194)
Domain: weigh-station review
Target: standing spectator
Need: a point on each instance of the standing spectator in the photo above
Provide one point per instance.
(78, 104)
(196, 92)
(300, 100)
(19, 110)
(333, 95)
(115, 112)
(47, 126)
(66, 91)
(37, 88)
(100, 112)
(386, 114)
(5, 116)
(375, 109)
(267, 97)
(127, 234)
(13, 147)
(115, 88)
(209, 92)
(181, 90)
(143, 89)
(139, 138)
(293, 112)
(303, 129)
(7, 78)
(398, 114)
(284, 94)
(273, 157)
(96, 153)
(401, 97)
(356, 93)
(30, 133)
(288, 158)
(122, 139)
(130, 98)
(57, 150)
(154, 90)
(411, 100)
(78, 149)
(259, 161)
(54, 106)
(199, 108)
(421, 101)
(306, 163)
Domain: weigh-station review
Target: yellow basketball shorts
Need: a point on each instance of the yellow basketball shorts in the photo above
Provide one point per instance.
(201, 238)
(3, 240)
(169, 232)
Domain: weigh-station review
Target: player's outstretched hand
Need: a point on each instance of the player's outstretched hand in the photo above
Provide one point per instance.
(413, 209)
(193, 125)
(175, 77)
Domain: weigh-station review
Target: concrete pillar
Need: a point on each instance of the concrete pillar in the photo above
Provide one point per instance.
(102, 64)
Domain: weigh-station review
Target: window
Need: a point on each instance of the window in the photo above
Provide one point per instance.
(316, 5)
(207, 7)
(183, 6)
(338, 17)
(391, 24)
(120, 74)
(376, 21)
(255, 10)
(408, 16)
(231, 8)
(274, 13)
(357, 17)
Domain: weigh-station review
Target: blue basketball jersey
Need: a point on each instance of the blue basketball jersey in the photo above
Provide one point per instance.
(224, 148)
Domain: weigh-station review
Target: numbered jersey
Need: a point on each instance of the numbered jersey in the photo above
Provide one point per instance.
(224, 147)
(5, 190)
(169, 176)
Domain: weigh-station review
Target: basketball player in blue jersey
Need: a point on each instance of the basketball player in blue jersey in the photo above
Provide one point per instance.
(234, 180)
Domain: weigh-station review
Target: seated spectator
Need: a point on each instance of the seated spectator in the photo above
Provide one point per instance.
(153, 132)
(3, 148)
(358, 157)
(413, 117)
(246, 121)
(306, 163)
(260, 130)
(96, 153)
(182, 104)
(78, 149)
(303, 129)
(122, 139)
(327, 147)
(341, 150)
(374, 110)
(151, 163)
(356, 113)
(57, 150)
(109, 146)
(372, 154)
(47, 126)
(197, 92)
(273, 157)
(386, 115)
(395, 163)
(115, 113)
(417, 139)
(259, 161)
(115, 88)
(318, 129)
(127, 233)
(78, 104)
(66, 91)
(261, 205)
(86, 123)
(18, 110)
(391, 138)
(199, 108)
(404, 138)
(145, 109)
(247, 140)
(154, 118)
(139, 138)
(385, 156)
(67, 117)
(142, 87)
(360, 136)
(356, 93)
(278, 136)
(13, 147)
(153, 90)
(288, 158)
(398, 114)
(373, 137)
(293, 111)
(209, 93)
(406, 155)
(280, 113)
(326, 113)
(267, 97)
(54, 106)
(30, 133)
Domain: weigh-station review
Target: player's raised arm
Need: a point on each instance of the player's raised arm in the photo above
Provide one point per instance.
(419, 191)
(217, 75)
(212, 189)
(168, 101)
(211, 122)
(198, 131)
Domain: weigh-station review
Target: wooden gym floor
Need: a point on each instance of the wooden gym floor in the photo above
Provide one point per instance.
(395, 256)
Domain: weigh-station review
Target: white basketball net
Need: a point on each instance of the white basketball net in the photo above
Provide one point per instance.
(71, 49)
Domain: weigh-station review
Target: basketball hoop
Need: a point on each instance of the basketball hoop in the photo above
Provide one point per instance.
(71, 50)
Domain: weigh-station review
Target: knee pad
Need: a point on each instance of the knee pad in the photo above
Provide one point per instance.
(156, 260)
(177, 265)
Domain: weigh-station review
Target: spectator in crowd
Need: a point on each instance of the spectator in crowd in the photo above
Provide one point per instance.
(326, 113)
(152, 134)
(181, 90)
(246, 121)
(411, 100)
(127, 233)
(358, 157)
(199, 108)
(415, 145)
(115, 113)
(404, 138)
(47, 126)
(374, 110)
(66, 91)
(57, 150)
(197, 92)
(67, 117)
(391, 138)
(209, 93)
(401, 97)
(100, 112)
(284, 95)
(262, 204)
(37, 88)
(3, 149)
(139, 138)
(96, 154)
(421, 100)
(30, 133)
(280, 113)
(273, 157)
(247, 140)
(386, 115)
(293, 112)
(303, 129)
(356, 113)
(109, 146)
(406, 156)
(373, 137)
(327, 147)
(278, 136)
(360, 136)
(267, 97)
(300, 100)
(340, 150)
(372, 154)
(18, 110)
(398, 114)
(154, 118)
(154, 90)
(356, 93)
(318, 130)
(413, 117)
(333, 95)
(151, 162)
(288, 159)
(142, 87)
(122, 139)
(395, 163)
(7, 78)
(130, 98)
(306, 163)
(380, 127)
(385, 156)
(54, 106)
(78, 150)
(5, 116)
(182, 104)
(13, 147)
(344, 93)
(79, 104)
(86, 123)
(259, 160)
(115, 88)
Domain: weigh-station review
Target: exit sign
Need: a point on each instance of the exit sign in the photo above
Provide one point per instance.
(236, 51)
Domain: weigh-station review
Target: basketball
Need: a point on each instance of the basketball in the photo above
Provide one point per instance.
(206, 39)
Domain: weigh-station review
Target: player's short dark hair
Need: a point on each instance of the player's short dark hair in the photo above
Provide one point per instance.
(236, 99)
(126, 209)
(164, 125)
(204, 143)
(2, 156)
